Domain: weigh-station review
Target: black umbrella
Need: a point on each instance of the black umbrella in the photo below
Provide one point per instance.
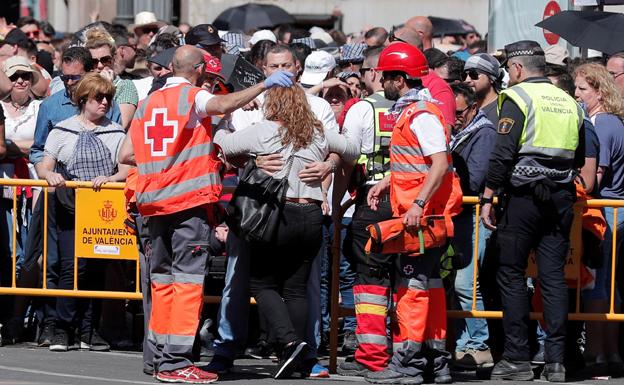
(445, 27)
(250, 16)
(239, 73)
(602, 31)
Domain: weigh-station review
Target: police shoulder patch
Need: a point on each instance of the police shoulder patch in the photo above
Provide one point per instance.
(505, 125)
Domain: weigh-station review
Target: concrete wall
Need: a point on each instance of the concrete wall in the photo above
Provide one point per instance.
(357, 13)
(76, 13)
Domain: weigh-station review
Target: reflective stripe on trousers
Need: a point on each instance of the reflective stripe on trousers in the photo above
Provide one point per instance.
(371, 311)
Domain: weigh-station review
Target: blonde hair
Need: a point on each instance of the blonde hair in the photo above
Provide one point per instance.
(97, 37)
(601, 81)
(89, 87)
(289, 106)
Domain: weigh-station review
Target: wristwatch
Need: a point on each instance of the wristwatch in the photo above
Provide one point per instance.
(421, 203)
(483, 200)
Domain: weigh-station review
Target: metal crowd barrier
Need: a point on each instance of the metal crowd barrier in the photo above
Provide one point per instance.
(335, 309)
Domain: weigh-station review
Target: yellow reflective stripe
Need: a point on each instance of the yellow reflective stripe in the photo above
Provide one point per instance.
(367, 308)
(209, 179)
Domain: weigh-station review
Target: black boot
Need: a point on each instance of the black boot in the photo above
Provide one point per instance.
(553, 372)
(511, 370)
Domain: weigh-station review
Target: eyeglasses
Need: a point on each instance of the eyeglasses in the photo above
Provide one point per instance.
(201, 63)
(66, 78)
(616, 75)
(25, 76)
(364, 71)
(105, 60)
(100, 97)
(32, 34)
(459, 113)
(473, 74)
(335, 102)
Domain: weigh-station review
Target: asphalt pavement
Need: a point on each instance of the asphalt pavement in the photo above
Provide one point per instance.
(27, 365)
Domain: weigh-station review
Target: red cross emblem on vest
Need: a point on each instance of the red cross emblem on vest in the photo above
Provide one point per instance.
(408, 270)
(160, 131)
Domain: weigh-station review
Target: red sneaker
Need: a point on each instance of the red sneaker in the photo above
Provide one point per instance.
(188, 375)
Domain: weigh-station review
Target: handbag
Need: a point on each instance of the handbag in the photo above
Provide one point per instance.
(392, 237)
(256, 205)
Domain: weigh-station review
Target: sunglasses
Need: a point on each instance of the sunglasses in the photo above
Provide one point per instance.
(100, 97)
(147, 30)
(66, 78)
(393, 38)
(32, 34)
(105, 60)
(201, 63)
(474, 75)
(26, 76)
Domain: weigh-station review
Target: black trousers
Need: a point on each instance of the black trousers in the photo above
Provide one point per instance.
(280, 270)
(373, 268)
(524, 225)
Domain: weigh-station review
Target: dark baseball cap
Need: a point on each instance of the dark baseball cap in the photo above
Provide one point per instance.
(16, 37)
(522, 48)
(203, 34)
(163, 58)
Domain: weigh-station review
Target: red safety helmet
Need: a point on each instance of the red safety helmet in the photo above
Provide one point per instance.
(403, 57)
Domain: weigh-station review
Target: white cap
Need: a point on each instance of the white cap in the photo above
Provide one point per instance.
(317, 65)
(263, 34)
(323, 36)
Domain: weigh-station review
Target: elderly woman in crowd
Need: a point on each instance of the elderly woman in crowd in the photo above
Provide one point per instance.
(20, 111)
(597, 90)
(280, 270)
(102, 48)
(81, 148)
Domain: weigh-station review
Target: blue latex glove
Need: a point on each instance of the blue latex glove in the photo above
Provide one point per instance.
(279, 79)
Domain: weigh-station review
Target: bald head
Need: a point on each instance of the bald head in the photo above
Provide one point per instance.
(185, 59)
(409, 36)
(423, 26)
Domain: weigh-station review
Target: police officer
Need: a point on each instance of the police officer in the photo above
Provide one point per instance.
(539, 147)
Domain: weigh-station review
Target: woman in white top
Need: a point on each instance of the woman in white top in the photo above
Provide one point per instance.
(20, 111)
(280, 269)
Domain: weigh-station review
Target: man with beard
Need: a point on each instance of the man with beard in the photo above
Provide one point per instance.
(482, 74)
(421, 183)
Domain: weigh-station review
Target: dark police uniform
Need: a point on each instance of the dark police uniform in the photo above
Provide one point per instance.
(539, 147)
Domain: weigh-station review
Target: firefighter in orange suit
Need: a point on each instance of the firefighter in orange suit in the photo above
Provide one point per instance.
(422, 183)
(178, 185)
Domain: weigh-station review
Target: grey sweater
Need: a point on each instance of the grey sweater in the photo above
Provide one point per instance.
(263, 138)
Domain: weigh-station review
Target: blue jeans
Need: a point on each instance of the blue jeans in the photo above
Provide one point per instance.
(602, 283)
(347, 275)
(472, 332)
(6, 232)
(233, 315)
